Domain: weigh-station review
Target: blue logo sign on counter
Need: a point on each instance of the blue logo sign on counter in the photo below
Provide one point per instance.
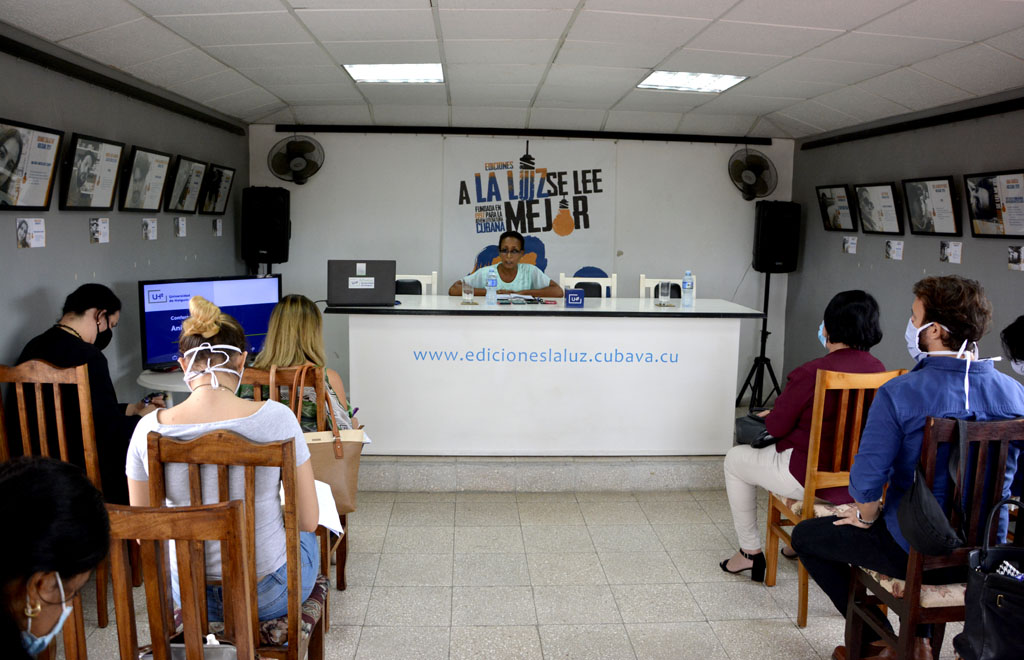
(574, 297)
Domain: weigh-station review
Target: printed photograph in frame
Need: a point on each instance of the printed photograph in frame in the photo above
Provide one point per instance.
(143, 179)
(216, 189)
(28, 165)
(837, 213)
(995, 204)
(182, 191)
(878, 208)
(933, 206)
(89, 173)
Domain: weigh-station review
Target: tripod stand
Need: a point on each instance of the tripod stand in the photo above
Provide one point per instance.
(755, 379)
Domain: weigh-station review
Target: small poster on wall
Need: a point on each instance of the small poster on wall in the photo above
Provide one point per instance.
(894, 250)
(834, 204)
(218, 227)
(91, 166)
(849, 245)
(144, 179)
(184, 186)
(932, 206)
(31, 232)
(1015, 261)
(99, 230)
(179, 226)
(28, 163)
(149, 229)
(878, 209)
(949, 251)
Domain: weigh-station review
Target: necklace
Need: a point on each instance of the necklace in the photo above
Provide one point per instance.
(68, 329)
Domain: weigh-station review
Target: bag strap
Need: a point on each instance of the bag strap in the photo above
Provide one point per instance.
(957, 471)
(295, 389)
(992, 516)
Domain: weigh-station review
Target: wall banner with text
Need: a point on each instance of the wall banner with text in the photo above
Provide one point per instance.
(559, 194)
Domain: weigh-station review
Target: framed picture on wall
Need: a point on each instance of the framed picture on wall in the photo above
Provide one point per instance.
(89, 173)
(182, 192)
(933, 207)
(28, 165)
(878, 208)
(836, 212)
(143, 179)
(995, 203)
(216, 188)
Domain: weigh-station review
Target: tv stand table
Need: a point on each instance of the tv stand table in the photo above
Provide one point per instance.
(168, 382)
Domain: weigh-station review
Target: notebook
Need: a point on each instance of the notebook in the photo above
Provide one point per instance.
(360, 283)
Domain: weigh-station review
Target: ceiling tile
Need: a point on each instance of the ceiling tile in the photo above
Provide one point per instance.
(861, 104)
(691, 8)
(262, 111)
(659, 100)
(220, 84)
(503, 4)
(412, 94)
(835, 14)
(383, 52)
(316, 94)
(510, 24)
(977, 68)
(716, 61)
(173, 7)
(617, 27)
(740, 104)
(176, 68)
(60, 19)
(506, 74)
(816, 114)
(559, 96)
(503, 51)
(635, 121)
(760, 38)
(765, 128)
(296, 75)
(793, 127)
(489, 117)
(278, 27)
(410, 115)
(395, 25)
(826, 71)
(640, 54)
(483, 95)
(883, 49)
(761, 86)
(283, 116)
(1011, 42)
(242, 102)
(267, 55)
(356, 4)
(574, 75)
(128, 44)
(715, 124)
(333, 114)
(951, 19)
(913, 90)
(570, 120)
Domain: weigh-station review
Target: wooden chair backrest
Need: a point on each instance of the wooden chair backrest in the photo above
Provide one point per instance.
(855, 393)
(189, 527)
(224, 450)
(45, 381)
(278, 378)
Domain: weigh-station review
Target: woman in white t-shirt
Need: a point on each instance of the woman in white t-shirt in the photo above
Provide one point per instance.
(513, 277)
(213, 356)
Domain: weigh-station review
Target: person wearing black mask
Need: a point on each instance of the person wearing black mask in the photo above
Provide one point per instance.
(85, 328)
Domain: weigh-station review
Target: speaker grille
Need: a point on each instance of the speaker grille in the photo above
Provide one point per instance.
(776, 237)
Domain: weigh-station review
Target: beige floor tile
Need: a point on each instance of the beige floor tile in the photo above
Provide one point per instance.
(341, 642)
(565, 496)
(403, 643)
(493, 606)
(425, 497)
(371, 513)
(366, 538)
(675, 641)
(719, 511)
(824, 633)
(507, 539)
(612, 513)
(605, 496)
(786, 594)
(592, 642)
(703, 566)
(712, 494)
(625, 538)
(420, 540)
(663, 495)
(367, 496)
(477, 496)
(423, 514)
(550, 513)
(557, 538)
(692, 536)
(574, 604)
(728, 601)
(482, 569)
(656, 603)
(410, 606)
(765, 639)
(478, 514)
(348, 607)
(361, 568)
(639, 567)
(398, 570)
(565, 568)
(495, 643)
(662, 512)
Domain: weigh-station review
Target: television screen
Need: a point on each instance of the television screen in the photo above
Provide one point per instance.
(164, 305)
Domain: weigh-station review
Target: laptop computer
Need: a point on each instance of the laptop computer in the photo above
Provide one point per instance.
(360, 282)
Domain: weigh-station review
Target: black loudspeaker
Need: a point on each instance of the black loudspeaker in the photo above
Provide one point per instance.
(776, 237)
(266, 225)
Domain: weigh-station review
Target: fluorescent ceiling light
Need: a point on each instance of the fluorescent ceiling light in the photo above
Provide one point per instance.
(684, 81)
(396, 73)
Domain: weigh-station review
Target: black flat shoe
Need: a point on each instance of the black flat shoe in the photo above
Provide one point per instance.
(789, 556)
(756, 571)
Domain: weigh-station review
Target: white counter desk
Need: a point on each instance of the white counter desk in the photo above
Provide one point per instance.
(617, 377)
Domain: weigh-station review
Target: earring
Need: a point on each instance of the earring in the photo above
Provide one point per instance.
(32, 611)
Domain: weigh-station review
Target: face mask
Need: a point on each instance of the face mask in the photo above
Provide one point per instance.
(103, 339)
(212, 369)
(913, 337)
(1018, 366)
(35, 645)
(821, 335)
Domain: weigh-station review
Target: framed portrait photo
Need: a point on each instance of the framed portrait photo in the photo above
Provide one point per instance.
(995, 204)
(878, 208)
(182, 191)
(836, 211)
(143, 179)
(89, 173)
(933, 206)
(216, 188)
(28, 165)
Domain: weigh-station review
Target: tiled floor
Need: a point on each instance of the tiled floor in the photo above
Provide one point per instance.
(555, 575)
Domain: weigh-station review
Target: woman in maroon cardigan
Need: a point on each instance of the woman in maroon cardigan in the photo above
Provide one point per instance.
(849, 330)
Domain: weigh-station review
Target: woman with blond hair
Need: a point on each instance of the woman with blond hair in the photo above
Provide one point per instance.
(294, 338)
(213, 356)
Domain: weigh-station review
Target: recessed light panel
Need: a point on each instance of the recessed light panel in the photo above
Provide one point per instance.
(684, 81)
(396, 73)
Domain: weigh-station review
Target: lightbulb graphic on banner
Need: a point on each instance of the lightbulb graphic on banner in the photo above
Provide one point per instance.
(563, 223)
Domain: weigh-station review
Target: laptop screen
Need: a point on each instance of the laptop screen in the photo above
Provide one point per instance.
(360, 282)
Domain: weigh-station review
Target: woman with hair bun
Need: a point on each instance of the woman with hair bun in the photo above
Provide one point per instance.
(212, 346)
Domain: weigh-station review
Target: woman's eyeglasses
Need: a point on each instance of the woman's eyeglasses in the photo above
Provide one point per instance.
(511, 251)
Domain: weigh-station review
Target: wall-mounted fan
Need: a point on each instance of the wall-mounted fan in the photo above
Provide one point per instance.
(752, 173)
(296, 158)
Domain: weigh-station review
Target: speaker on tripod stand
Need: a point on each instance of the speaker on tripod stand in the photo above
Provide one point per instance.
(776, 248)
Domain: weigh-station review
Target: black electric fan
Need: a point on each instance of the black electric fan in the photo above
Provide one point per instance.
(752, 173)
(296, 158)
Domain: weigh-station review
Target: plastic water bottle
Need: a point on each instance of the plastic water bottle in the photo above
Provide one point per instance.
(689, 290)
(492, 287)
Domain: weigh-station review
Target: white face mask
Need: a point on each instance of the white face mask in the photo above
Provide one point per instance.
(212, 369)
(1018, 366)
(913, 337)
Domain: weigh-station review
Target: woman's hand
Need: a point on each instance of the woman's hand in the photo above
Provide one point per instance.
(764, 413)
(143, 407)
(869, 515)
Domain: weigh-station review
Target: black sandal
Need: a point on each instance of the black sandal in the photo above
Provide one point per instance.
(756, 571)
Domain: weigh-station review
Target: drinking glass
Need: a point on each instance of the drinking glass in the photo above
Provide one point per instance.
(467, 292)
(664, 293)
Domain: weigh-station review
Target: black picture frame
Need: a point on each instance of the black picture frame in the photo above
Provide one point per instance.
(933, 206)
(837, 211)
(89, 173)
(991, 210)
(876, 204)
(26, 182)
(181, 193)
(144, 177)
(216, 189)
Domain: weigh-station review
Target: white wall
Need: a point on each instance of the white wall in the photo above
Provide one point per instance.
(380, 196)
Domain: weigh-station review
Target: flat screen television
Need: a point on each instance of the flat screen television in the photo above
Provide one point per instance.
(164, 305)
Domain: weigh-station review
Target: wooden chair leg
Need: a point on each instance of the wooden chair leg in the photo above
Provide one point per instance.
(802, 585)
(324, 537)
(74, 633)
(135, 559)
(102, 580)
(340, 557)
(771, 547)
(316, 642)
(938, 634)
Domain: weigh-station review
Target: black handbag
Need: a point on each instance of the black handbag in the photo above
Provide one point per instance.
(922, 521)
(751, 430)
(994, 603)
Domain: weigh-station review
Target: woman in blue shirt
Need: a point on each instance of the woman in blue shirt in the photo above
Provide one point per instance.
(513, 277)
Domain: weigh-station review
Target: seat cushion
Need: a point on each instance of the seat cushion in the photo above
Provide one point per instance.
(932, 595)
(274, 632)
(821, 507)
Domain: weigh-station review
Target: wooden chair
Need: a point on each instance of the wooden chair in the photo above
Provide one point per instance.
(416, 285)
(827, 467)
(302, 630)
(600, 287)
(649, 286)
(189, 527)
(913, 601)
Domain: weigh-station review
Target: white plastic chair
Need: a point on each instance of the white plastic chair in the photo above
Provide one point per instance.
(649, 285)
(424, 280)
(605, 283)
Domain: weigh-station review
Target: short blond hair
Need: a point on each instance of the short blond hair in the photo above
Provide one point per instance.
(294, 336)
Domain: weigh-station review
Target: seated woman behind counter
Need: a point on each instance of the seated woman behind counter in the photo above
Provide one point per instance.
(513, 277)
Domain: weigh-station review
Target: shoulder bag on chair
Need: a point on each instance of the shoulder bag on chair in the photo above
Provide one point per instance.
(335, 454)
(994, 601)
(922, 521)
